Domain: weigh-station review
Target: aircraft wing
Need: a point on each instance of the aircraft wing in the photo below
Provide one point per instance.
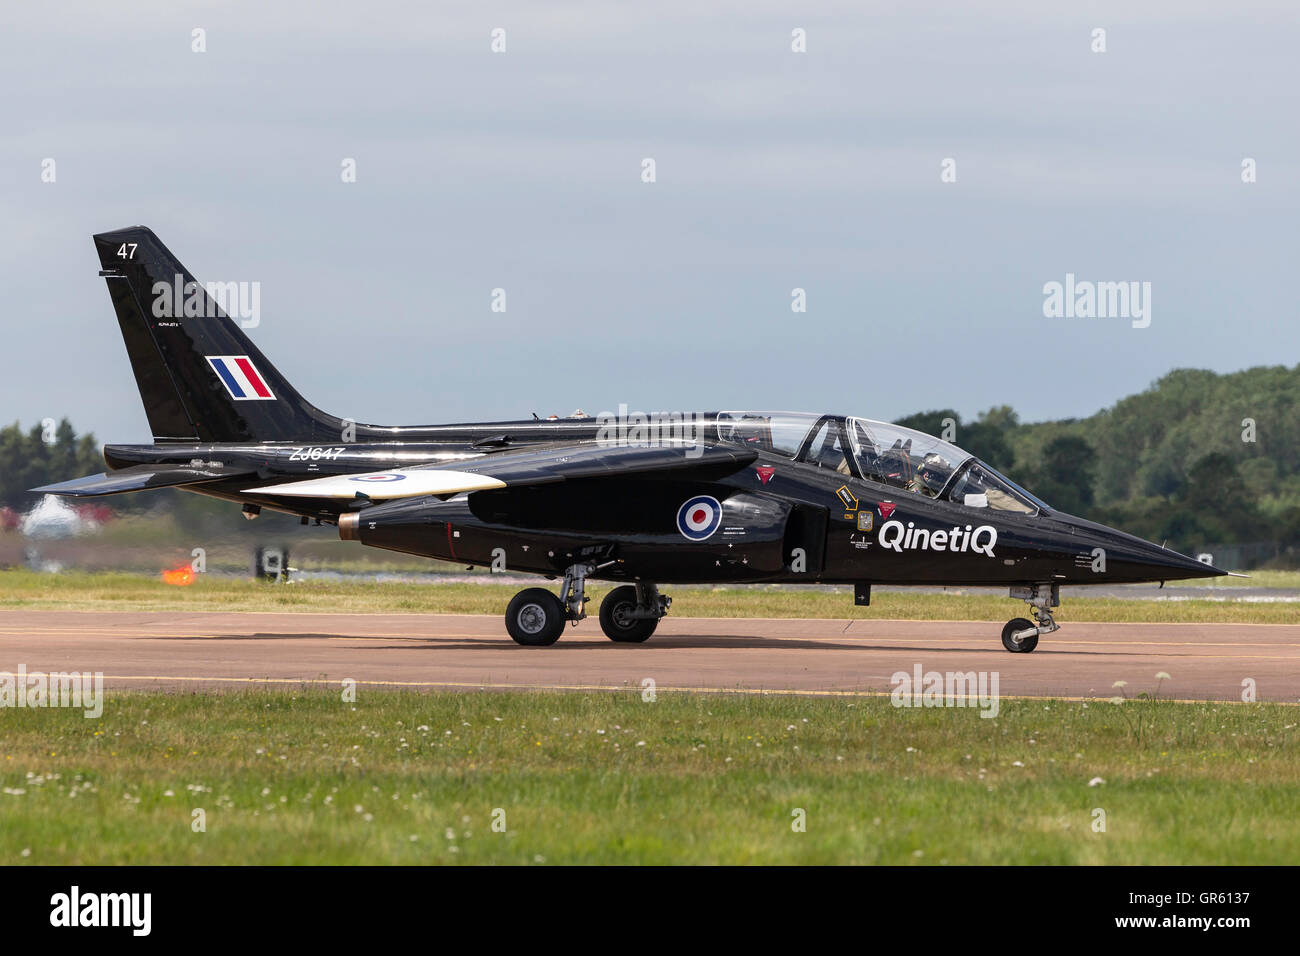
(138, 478)
(524, 467)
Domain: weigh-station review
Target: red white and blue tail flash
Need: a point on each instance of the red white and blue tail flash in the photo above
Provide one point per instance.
(240, 377)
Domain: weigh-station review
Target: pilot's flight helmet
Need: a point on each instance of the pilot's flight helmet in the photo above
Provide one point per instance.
(933, 472)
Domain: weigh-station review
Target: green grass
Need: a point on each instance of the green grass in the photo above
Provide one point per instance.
(304, 777)
(1262, 579)
(118, 591)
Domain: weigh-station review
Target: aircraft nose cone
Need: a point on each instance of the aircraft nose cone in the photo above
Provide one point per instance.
(1167, 565)
(1134, 559)
(1130, 558)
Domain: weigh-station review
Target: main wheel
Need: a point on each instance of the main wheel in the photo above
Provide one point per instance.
(1008, 636)
(615, 619)
(535, 617)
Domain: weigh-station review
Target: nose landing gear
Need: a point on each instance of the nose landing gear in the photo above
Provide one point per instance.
(1020, 636)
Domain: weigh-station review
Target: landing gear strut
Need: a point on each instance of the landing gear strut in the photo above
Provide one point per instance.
(573, 592)
(1020, 636)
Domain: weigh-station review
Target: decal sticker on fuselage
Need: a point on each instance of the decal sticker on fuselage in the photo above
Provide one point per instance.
(699, 517)
(900, 538)
(309, 453)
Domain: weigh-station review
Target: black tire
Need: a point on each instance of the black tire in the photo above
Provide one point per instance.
(1018, 624)
(535, 617)
(616, 625)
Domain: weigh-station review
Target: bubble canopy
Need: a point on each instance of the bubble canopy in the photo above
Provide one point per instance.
(891, 455)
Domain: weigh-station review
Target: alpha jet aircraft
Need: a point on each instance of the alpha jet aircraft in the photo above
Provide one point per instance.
(640, 501)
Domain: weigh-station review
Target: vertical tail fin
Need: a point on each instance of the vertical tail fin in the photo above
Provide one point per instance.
(200, 377)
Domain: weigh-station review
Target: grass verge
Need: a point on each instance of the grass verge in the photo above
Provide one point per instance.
(303, 777)
(118, 591)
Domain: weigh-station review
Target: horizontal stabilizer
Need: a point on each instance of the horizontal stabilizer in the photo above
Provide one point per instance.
(137, 478)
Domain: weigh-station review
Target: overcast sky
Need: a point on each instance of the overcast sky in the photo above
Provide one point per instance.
(775, 170)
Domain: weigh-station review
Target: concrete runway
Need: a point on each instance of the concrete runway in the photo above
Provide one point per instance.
(430, 651)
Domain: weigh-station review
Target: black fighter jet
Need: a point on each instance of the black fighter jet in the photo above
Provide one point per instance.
(638, 499)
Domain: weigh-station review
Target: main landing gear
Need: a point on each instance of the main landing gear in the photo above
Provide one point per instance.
(1020, 636)
(629, 614)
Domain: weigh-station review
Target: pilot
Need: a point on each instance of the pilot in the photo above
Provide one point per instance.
(931, 475)
(896, 464)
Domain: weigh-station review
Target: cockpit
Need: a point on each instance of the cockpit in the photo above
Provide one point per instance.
(879, 452)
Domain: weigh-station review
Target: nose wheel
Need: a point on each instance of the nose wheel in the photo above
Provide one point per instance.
(1020, 635)
(1015, 626)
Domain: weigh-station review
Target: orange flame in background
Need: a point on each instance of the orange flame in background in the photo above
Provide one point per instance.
(180, 576)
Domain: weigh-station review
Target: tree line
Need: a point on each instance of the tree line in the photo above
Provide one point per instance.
(40, 456)
(1200, 461)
